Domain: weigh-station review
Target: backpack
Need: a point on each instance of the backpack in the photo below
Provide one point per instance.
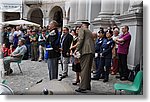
(133, 72)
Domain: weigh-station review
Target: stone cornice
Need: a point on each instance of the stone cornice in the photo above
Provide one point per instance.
(130, 16)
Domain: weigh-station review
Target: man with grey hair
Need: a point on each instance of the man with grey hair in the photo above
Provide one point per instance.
(52, 41)
(15, 56)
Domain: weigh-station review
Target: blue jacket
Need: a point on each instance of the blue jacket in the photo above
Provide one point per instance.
(107, 47)
(98, 45)
(51, 41)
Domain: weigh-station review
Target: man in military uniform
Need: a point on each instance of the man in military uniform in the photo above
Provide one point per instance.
(85, 47)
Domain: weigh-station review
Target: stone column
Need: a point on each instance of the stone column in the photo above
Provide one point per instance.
(22, 10)
(72, 11)
(117, 7)
(81, 11)
(108, 10)
(124, 6)
(134, 19)
(45, 21)
(65, 21)
(1, 60)
(1, 16)
(21, 15)
(1, 26)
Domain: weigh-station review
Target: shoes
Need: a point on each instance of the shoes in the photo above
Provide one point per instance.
(105, 80)
(60, 74)
(64, 76)
(95, 78)
(101, 77)
(60, 79)
(89, 89)
(9, 72)
(75, 83)
(118, 77)
(40, 60)
(33, 59)
(81, 90)
(123, 78)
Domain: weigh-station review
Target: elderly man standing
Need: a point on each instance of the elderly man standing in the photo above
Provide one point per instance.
(86, 48)
(53, 41)
(15, 56)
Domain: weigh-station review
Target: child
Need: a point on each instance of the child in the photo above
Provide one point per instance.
(106, 55)
(4, 51)
(10, 50)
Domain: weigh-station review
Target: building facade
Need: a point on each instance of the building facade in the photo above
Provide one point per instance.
(11, 10)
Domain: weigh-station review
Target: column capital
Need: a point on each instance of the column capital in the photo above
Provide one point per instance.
(136, 7)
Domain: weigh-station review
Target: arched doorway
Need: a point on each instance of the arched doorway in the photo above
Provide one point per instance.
(57, 14)
(36, 16)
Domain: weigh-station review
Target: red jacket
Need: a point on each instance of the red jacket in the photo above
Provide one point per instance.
(5, 51)
(10, 51)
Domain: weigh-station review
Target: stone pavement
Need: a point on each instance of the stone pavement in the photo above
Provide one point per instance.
(36, 71)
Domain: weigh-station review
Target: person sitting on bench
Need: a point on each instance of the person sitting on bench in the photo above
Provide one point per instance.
(15, 56)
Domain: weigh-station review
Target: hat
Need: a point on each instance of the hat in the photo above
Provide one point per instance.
(85, 22)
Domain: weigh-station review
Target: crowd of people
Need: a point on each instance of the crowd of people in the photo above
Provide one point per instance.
(107, 49)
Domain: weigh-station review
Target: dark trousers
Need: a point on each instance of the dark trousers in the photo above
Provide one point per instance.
(34, 51)
(29, 49)
(105, 67)
(99, 71)
(122, 63)
(97, 63)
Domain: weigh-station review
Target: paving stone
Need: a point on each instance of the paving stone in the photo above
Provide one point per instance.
(35, 71)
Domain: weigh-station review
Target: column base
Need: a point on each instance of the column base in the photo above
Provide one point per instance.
(105, 19)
